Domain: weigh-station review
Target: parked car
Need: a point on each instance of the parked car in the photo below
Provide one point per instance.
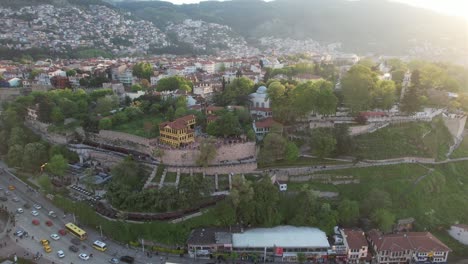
(55, 237)
(84, 256)
(18, 233)
(49, 223)
(20, 210)
(114, 261)
(35, 213)
(60, 254)
(11, 188)
(44, 242)
(127, 259)
(52, 214)
(15, 199)
(47, 249)
(37, 206)
(73, 248)
(3, 199)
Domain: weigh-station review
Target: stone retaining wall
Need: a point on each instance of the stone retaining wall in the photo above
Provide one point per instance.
(229, 152)
(122, 140)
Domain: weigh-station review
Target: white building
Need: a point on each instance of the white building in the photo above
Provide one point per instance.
(58, 73)
(126, 77)
(260, 104)
(203, 89)
(283, 243)
(460, 233)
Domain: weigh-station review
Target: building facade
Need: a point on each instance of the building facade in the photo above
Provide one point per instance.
(356, 245)
(411, 247)
(179, 132)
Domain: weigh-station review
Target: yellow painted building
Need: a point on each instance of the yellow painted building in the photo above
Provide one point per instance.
(178, 132)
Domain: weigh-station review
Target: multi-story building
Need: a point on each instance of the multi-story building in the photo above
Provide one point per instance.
(264, 126)
(411, 247)
(356, 245)
(179, 132)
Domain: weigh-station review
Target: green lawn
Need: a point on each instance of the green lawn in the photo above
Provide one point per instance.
(137, 126)
(223, 182)
(302, 162)
(462, 150)
(170, 177)
(159, 172)
(405, 140)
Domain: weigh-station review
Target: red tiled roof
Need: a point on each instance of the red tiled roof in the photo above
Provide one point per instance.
(214, 108)
(267, 122)
(179, 123)
(355, 238)
(418, 241)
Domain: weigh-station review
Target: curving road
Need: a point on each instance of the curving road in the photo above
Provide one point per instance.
(42, 231)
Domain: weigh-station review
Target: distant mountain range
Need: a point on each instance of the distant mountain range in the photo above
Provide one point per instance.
(361, 26)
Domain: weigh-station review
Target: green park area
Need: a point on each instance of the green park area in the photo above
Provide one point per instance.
(144, 126)
(431, 140)
(462, 150)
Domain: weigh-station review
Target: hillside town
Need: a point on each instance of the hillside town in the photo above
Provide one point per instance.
(192, 135)
(56, 28)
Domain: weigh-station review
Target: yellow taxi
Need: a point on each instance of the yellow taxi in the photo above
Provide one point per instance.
(45, 242)
(47, 249)
(11, 187)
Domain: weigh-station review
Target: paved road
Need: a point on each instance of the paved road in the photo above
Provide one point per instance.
(42, 231)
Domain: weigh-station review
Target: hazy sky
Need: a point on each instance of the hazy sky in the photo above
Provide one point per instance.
(451, 7)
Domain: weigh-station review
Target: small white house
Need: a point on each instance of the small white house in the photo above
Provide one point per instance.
(460, 233)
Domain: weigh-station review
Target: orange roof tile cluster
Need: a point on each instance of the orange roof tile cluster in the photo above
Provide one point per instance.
(267, 122)
(417, 241)
(179, 123)
(355, 238)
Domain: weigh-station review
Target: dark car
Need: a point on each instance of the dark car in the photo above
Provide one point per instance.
(127, 259)
(73, 248)
(3, 199)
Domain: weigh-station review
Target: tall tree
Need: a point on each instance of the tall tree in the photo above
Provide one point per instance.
(348, 212)
(384, 219)
(357, 87)
(384, 95)
(143, 70)
(57, 165)
(15, 156)
(266, 197)
(35, 155)
(322, 143)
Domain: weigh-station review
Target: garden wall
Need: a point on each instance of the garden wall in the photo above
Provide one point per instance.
(122, 140)
(222, 169)
(225, 152)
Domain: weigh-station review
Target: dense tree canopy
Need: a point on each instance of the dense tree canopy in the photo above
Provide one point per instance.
(143, 70)
(236, 92)
(174, 83)
(357, 87)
